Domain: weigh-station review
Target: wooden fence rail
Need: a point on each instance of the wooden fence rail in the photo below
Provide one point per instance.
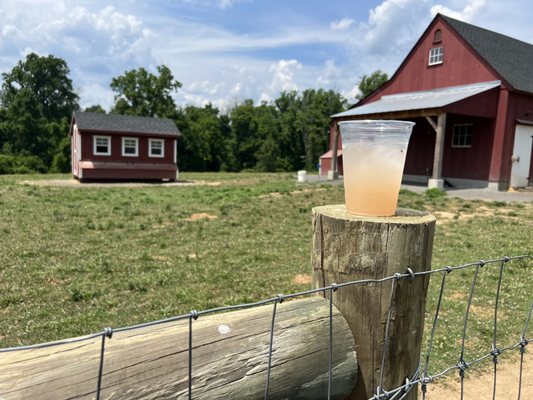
(229, 359)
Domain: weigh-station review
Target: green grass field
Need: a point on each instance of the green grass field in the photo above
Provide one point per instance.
(74, 260)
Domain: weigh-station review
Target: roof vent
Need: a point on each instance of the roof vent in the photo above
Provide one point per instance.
(437, 37)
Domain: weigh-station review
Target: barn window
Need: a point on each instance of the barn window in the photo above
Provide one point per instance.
(436, 55)
(437, 36)
(102, 145)
(130, 147)
(156, 148)
(462, 135)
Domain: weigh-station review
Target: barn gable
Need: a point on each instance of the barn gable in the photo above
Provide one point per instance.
(460, 65)
(510, 58)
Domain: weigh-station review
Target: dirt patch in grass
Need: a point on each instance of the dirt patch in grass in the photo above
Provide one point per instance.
(293, 193)
(479, 385)
(275, 195)
(457, 296)
(484, 312)
(444, 216)
(460, 214)
(303, 191)
(302, 279)
(198, 216)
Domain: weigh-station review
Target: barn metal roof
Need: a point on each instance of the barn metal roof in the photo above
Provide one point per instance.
(434, 98)
(125, 123)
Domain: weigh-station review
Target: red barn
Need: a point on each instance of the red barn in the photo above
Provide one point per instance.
(123, 147)
(470, 92)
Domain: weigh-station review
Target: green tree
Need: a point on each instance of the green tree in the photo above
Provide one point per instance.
(97, 108)
(46, 80)
(141, 93)
(291, 143)
(61, 160)
(369, 83)
(304, 127)
(287, 134)
(204, 146)
(245, 133)
(269, 155)
(37, 100)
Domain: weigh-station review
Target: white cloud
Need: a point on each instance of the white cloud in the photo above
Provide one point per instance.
(229, 3)
(471, 9)
(329, 76)
(222, 61)
(342, 24)
(97, 44)
(225, 88)
(223, 4)
(282, 75)
(393, 25)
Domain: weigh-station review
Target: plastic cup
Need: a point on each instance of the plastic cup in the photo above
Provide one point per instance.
(373, 154)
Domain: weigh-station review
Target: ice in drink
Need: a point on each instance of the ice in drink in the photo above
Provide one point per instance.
(373, 160)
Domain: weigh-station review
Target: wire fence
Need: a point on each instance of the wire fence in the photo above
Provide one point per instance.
(421, 377)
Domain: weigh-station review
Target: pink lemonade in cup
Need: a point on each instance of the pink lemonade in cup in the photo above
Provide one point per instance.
(373, 154)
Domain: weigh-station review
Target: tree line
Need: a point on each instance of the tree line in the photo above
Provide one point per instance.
(37, 99)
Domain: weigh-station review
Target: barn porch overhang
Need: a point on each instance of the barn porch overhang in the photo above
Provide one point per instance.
(416, 104)
(428, 104)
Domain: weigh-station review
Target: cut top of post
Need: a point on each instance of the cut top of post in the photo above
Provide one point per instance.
(402, 216)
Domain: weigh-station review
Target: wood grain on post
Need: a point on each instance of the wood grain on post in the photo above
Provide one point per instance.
(349, 248)
(229, 359)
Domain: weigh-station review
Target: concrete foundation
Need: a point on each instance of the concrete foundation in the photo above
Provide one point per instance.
(435, 183)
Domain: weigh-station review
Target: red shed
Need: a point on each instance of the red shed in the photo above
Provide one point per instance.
(470, 92)
(123, 147)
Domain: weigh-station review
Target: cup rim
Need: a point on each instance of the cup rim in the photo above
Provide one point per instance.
(379, 124)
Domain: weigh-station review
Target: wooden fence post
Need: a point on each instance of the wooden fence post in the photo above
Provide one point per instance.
(348, 248)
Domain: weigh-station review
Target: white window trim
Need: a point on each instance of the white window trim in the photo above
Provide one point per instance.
(436, 55)
(136, 154)
(96, 153)
(162, 141)
(461, 146)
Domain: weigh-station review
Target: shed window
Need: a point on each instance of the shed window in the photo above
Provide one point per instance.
(437, 37)
(436, 55)
(102, 145)
(130, 147)
(462, 135)
(156, 148)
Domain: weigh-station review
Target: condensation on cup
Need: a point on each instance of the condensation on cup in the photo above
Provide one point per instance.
(373, 153)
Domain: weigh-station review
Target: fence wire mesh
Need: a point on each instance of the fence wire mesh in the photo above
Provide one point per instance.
(421, 377)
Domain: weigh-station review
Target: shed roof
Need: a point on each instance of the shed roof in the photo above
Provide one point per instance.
(511, 58)
(125, 123)
(435, 98)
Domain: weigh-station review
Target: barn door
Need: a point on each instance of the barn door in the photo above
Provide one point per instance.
(521, 155)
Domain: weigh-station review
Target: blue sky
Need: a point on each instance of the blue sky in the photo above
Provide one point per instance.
(225, 51)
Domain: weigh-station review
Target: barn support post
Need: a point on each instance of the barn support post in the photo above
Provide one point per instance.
(333, 173)
(350, 248)
(436, 180)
